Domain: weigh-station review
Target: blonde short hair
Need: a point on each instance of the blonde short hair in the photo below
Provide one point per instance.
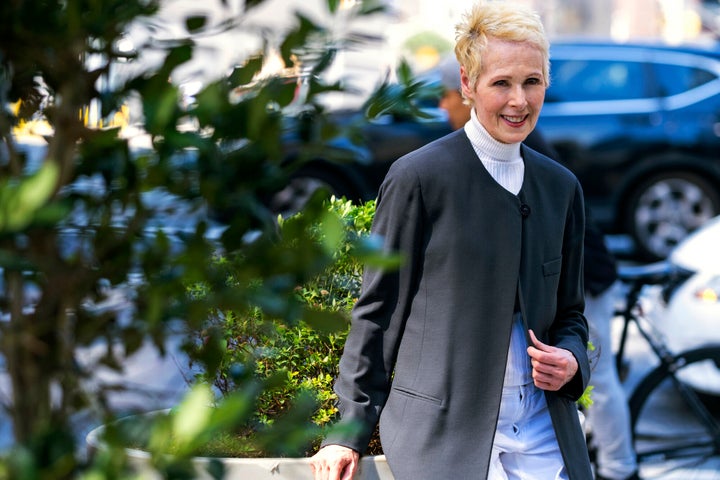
(499, 20)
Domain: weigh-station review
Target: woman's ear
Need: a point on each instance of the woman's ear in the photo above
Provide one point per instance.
(465, 84)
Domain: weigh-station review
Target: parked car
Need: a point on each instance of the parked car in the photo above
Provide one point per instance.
(356, 169)
(688, 314)
(639, 124)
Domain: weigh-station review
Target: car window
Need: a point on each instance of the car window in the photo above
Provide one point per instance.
(596, 80)
(674, 79)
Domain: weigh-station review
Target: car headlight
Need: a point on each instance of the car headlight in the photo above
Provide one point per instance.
(709, 291)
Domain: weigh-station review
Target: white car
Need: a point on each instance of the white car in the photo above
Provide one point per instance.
(691, 317)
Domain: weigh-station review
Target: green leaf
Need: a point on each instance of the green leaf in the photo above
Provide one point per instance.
(323, 63)
(282, 91)
(586, 400)
(333, 231)
(325, 321)
(19, 202)
(370, 250)
(371, 7)
(244, 75)
(176, 57)
(195, 23)
(404, 72)
(298, 38)
(193, 415)
(332, 5)
(252, 4)
(237, 406)
(291, 433)
(382, 100)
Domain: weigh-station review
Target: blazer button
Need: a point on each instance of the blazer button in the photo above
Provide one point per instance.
(525, 210)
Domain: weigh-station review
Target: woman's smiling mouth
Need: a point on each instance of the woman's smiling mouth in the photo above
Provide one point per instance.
(514, 120)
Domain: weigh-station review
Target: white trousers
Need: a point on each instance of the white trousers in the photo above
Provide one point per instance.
(608, 417)
(525, 446)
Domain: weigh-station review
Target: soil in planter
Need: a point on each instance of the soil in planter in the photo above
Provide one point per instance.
(374, 447)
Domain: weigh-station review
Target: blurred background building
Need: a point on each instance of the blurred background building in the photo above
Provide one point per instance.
(672, 21)
(419, 31)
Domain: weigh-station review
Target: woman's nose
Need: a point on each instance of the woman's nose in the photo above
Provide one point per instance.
(518, 97)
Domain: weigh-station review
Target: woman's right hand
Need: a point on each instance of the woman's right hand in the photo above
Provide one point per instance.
(334, 462)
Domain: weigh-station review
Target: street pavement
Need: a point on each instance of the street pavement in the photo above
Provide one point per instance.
(150, 382)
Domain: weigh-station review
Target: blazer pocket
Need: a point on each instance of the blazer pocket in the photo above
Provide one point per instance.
(552, 267)
(406, 392)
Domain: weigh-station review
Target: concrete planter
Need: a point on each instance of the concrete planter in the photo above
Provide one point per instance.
(371, 467)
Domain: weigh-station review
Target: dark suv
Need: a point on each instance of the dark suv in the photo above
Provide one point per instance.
(639, 124)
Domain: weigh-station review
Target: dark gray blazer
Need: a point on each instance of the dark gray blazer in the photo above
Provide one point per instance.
(428, 343)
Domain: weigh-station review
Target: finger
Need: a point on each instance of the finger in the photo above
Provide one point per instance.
(549, 386)
(349, 472)
(543, 368)
(544, 381)
(319, 471)
(537, 343)
(353, 467)
(322, 468)
(338, 471)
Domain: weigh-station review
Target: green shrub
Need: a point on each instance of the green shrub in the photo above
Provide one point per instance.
(295, 361)
(71, 246)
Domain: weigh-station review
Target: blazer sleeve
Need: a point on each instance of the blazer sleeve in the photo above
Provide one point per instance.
(378, 318)
(570, 328)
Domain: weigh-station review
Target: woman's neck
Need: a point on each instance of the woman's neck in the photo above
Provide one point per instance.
(495, 150)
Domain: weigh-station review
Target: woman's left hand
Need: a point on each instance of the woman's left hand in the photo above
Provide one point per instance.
(553, 367)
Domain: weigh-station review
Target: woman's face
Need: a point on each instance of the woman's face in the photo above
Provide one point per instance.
(510, 89)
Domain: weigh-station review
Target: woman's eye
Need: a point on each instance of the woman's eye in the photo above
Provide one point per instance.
(533, 81)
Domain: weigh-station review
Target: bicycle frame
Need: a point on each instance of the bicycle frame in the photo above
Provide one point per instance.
(670, 363)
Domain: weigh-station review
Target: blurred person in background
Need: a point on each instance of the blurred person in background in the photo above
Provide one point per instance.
(609, 417)
(474, 353)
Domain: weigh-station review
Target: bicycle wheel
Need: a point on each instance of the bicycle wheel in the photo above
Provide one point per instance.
(670, 423)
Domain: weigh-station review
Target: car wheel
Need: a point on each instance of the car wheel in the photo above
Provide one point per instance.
(303, 185)
(666, 208)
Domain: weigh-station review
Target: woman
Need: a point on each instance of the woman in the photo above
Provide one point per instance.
(475, 350)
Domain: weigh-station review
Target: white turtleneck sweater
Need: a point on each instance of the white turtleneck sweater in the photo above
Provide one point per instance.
(505, 164)
(502, 160)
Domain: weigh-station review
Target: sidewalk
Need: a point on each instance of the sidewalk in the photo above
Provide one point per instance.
(150, 382)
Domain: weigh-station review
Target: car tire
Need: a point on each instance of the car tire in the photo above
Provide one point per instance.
(667, 207)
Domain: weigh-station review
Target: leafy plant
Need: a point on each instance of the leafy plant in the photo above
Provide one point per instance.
(295, 361)
(83, 221)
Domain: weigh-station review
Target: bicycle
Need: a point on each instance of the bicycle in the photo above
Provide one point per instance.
(663, 386)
